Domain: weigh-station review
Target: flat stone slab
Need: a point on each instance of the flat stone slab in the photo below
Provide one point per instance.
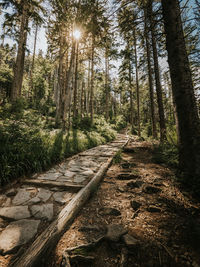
(50, 176)
(79, 178)
(34, 200)
(69, 174)
(44, 194)
(15, 213)
(43, 211)
(17, 234)
(22, 197)
(87, 173)
(62, 197)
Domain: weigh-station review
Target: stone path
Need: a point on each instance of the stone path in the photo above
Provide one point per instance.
(31, 206)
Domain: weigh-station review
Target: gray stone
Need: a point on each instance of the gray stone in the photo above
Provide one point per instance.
(115, 232)
(44, 194)
(135, 205)
(17, 234)
(79, 179)
(74, 169)
(50, 176)
(89, 163)
(15, 213)
(7, 202)
(10, 193)
(43, 211)
(34, 200)
(130, 241)
(22, 197)
(88, 173)
(62, 197)
(64, 179)
(69, 174)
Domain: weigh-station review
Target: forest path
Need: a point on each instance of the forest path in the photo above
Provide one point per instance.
(139, 217)
(34, 212)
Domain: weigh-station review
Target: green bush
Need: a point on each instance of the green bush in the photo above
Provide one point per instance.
(166, 153)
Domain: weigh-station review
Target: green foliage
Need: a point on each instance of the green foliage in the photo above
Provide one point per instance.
(119, 122)
(166, 153)
(105, 129)
(118, 157)
(27, 145)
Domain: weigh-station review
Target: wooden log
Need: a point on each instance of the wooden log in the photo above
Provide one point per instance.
(43, 244)
(63, 185)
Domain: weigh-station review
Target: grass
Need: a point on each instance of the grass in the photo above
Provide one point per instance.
(28, 144)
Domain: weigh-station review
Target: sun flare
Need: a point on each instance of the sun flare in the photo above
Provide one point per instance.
(77, 34)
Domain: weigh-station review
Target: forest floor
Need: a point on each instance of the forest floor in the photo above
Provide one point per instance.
(144, 217)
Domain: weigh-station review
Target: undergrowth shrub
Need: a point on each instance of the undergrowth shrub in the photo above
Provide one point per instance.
(26, 146)
(166, 153)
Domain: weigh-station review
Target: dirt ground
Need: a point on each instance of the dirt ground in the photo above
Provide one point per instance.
(146, 200)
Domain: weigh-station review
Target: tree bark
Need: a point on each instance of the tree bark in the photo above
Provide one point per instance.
(137, 85)
(33, 63)
(183, 91)
(19, 65)
(106, 83)
(75, 111)
(157, 76)
(92, 83)
(153, 119)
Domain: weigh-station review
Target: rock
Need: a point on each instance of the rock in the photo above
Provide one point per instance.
(79, 179)
(153, 209)
(22, 197)
(110, 211)
(69, 174)
(88, 173)
(34, 200)
(152, 190)
(126, 176)
(7, 202)
(17, 234)
(10, 193)
(44, 211)
(130, 241)
(15, 213)
(62, 197)
(74, 169)
(136, 184)
(135, 205)
(44, 194)
(115, 232)
(50, 176)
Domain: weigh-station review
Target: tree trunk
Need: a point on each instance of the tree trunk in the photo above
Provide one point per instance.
(130, 90)
(92, 83)
(66, 99)
(19, 65)
(137, 86)
(106, 83)
(154, 131)
(75, 111)
(157, 76)
(33, 63)
(183, 91)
